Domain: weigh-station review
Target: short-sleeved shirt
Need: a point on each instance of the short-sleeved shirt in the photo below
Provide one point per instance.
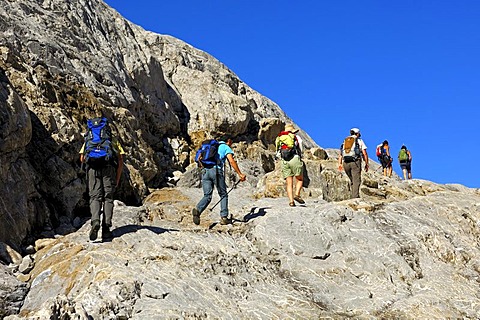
(361, 144)
(115, 144)
(223, 151)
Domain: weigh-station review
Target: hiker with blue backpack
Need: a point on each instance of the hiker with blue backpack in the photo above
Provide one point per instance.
(352, 151)
(211, 159)
(383, 155)
(289, 149)
(102, 156)
(405, 161)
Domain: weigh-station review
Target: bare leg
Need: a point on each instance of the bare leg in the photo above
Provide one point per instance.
(299, 185)
(289, 181)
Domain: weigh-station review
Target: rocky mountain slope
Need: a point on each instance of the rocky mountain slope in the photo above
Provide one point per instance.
(62, 62)
(406, 250)
(414, 256)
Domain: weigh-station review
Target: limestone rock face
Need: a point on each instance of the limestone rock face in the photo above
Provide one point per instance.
(63, 62)
(415, 257)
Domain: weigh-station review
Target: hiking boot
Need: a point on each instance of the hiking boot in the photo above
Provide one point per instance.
(196, 216)
(299, 200)
(106, 233)
(94, 230)
(225, 221)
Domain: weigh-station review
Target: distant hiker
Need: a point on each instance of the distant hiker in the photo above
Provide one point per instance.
(289, 148)
(212, 161)
(352, 150)
(383, 155)
(103, 156)
(405, 160)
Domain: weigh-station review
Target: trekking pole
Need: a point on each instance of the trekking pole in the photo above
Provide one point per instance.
(233, 187)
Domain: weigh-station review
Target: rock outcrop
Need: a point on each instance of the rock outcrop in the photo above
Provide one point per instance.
(62, 62)
(414, 256)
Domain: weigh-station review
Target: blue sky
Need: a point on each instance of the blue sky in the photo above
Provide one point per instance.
(405, 71)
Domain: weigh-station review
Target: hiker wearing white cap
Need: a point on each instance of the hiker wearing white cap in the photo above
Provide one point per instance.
(352, 150)
(289, 148)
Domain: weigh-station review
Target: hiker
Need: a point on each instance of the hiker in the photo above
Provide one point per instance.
(102, 156)
(352, 150)
(405, 160)
(289, 148)
(383, 154)
(213, 175)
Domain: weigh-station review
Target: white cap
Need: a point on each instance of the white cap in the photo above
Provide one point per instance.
(355, 130)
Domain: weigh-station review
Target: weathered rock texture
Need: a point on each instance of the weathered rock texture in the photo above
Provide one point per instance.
(414, 256)
(63, 61)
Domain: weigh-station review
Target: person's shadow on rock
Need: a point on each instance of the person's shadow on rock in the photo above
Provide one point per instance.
(252, 214)
(306, 178)
(131, 228)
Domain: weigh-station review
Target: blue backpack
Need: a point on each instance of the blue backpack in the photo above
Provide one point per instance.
(207, 155)
(98, 143)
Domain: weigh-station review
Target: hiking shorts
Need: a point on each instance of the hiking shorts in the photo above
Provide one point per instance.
(386, 161)
(292, 168)
(407, 165)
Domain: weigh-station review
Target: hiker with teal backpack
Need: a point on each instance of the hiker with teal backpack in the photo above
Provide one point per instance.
(102, 156)
(352, 151)
(289, 149)
(383, 155)
(405, 161)
(211, 158)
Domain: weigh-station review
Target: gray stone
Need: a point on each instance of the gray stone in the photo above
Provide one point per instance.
(9, 255)
(12, 291)
(27, 265)
(77, 222)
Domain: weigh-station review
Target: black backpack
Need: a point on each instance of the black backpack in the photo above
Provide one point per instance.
(207, 155)
(98, 143)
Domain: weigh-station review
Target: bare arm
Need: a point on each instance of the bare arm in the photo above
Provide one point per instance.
(119, 169)
(365, 158)
(340, 160)
(234, 164)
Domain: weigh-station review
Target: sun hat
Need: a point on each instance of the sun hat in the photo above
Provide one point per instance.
(291, 128)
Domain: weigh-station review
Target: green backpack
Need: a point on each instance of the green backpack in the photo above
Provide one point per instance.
(403, 155)
(285, 143)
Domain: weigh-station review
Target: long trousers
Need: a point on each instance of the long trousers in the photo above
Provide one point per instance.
(214, 177)
(100, 188)
(354, 173)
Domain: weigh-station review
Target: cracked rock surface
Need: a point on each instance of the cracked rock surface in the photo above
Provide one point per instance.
(408, 259)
